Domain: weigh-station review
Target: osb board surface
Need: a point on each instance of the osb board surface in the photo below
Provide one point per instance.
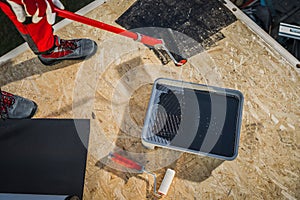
(113, 88)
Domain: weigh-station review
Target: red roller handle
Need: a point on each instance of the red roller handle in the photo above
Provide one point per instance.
(147, 40)
(125, 162)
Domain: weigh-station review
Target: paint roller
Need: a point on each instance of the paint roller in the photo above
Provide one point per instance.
(165, 184)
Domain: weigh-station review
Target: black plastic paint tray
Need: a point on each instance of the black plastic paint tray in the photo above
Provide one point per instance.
(193, 118)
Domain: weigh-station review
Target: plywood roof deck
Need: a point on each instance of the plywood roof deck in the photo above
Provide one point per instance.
(113, 88)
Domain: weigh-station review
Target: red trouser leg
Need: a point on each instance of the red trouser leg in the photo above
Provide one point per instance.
(39, 36)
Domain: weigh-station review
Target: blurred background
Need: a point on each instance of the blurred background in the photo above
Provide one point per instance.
(268, 14)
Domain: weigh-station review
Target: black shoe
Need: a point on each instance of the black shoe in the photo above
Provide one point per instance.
(16, 107)
(76, 49)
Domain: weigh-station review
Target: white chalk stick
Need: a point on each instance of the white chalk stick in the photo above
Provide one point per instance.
(166, 183)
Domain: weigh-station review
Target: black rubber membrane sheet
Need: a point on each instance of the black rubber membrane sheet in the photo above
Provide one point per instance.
(43, 157)
(193, 25)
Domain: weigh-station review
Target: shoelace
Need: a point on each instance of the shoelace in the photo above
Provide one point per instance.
(68, 44)
(6, 101)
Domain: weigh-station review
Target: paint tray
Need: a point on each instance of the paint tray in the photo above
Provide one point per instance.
(193, 118)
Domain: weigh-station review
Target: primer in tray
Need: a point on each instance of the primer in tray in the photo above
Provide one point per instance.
(193, 118)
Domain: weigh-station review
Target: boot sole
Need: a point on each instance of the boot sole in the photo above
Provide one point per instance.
(33, 111)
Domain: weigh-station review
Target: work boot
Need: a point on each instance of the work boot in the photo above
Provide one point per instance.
(16, 107)
(76, 49)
